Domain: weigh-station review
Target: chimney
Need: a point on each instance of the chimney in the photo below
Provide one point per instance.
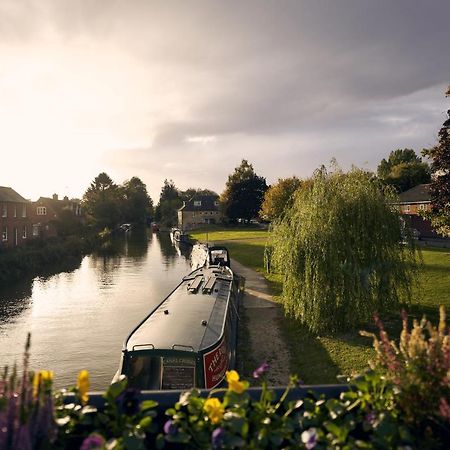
(55, 196)
(66, 199)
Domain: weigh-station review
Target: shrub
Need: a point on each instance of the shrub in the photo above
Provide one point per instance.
(400, 403)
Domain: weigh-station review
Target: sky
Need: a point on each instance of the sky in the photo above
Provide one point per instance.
(185, 90)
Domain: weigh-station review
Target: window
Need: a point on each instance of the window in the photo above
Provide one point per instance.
(216, 202)
(24, 232)
(36, 228)
(407, 208)
(15, 210)
(4, 210)
(41, 211)
(5, 233)
(422, 207)
(24, 210)
(197, 203)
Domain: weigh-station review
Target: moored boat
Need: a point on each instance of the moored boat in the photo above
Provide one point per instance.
(189, 339)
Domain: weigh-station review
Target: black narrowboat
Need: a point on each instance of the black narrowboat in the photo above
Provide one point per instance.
(189, 339)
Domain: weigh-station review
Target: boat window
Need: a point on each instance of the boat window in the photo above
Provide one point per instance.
(144, 372)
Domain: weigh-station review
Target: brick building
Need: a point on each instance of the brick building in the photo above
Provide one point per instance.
(412, 203)
(15, 221)
(200, 210)
(49, 213)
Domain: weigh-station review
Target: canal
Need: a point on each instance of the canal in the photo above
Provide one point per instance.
(79, 318)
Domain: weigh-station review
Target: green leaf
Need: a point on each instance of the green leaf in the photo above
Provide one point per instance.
(148, 404)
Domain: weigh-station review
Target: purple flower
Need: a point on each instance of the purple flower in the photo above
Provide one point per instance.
(94, 441)
(309, 438)
(218, 438)
(170, 428)
(261, 370)
(370, 418)
(128, 401)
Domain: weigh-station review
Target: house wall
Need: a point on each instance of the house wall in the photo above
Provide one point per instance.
(43, 217)
(15, 224)
(415, 208)
(189, 220)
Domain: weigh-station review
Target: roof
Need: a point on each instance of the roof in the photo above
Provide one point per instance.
(207, 203)
(8, 194)
(417, 194)
(177, 321)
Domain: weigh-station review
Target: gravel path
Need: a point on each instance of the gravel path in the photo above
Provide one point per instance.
(263, 319)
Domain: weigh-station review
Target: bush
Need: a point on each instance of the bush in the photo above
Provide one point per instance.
(400, 403)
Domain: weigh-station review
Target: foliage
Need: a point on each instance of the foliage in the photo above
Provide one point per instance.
(108, 204)
(190, 192)
(403, 169)
(440, 183)
(418, 369)
(338, 249)
(402, 402)
(101, 202)
(137, 204)
(169, 203)
(278, 198)
(244, 193)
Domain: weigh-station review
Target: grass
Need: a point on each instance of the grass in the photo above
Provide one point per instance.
(321, 359)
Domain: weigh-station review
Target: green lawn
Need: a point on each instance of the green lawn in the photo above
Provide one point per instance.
(321, 359)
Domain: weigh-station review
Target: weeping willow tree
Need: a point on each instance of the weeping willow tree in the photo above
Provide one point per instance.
(339, 250)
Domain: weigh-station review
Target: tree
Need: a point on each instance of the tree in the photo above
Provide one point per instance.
(169, 203)
(403, 169)
(190, 192)
(278, 198)
(244, 193)
(440, 182)
(137, 204)
(338, 249)
(102, 202)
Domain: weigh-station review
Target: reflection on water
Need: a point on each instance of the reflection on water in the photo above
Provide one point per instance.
(80, 318)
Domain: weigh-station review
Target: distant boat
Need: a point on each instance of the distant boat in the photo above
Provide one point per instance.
(155, 227)
(177, 235)
(125, 227)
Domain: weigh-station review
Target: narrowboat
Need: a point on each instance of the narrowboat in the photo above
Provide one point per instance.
(189, 339)
(203, 255)
(177, 235)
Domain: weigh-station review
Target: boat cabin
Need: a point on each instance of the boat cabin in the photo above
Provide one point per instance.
(189, 339)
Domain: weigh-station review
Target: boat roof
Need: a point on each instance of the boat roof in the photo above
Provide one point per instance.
(191, 318)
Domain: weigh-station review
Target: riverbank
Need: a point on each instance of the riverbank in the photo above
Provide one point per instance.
(321, 358)
(41, 257)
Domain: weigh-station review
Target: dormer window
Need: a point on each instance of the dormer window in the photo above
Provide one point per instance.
(41, 211)
(197, 203)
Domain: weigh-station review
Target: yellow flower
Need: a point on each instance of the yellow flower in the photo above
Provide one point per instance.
(41, 378)
(214, 409)
(234, 384)
(83, 385)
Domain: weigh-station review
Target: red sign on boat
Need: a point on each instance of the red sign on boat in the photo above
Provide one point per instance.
(215, 363)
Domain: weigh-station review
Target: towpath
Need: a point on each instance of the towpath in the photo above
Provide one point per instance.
(263, 316)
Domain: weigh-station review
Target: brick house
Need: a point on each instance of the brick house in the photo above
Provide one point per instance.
(47, 214)
(15, 221)
(412, 203)
(199, 211)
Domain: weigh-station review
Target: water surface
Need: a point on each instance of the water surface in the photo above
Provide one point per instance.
(80, 318)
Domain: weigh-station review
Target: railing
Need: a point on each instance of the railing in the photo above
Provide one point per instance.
(166, 399)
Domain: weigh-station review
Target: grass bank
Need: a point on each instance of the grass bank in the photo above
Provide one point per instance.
(321, 358)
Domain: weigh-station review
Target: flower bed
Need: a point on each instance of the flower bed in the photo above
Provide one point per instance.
(401, 402)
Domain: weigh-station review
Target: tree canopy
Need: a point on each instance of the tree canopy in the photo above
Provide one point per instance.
(108, 204)
(244, 193)
(338, 250)
(278, 198)
(440, 182)
(102, 201)
(403, 169)
(168, 205)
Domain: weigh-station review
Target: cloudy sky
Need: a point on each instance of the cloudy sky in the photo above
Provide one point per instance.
(186, 89)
